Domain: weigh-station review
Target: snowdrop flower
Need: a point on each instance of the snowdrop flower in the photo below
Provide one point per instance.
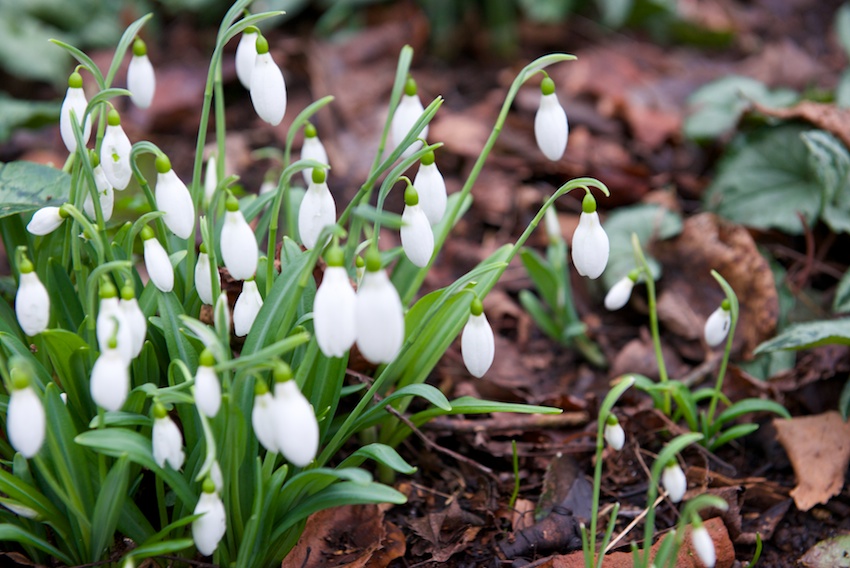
(216, 476)
(246, 55)
(167, 439)
(717, 325)
(141, 81)
(312, 149)
(110, 379)
(703, 545)
(431, 186)
(262, 417)
(477, 342)
(46, 220)
(208, 529)
(406, 114)
(157, 262)
(115, 153)
(379, 315)
(296, 427)
(32, 304)
(221, 313)
(619, 294)
(112, 323)
(105, 193)
(269, 184)
(674, 481)
(135, 318)
(268, 89)
(207, 387)
(25, 418)
(203, 278)
(317, 210)
(590, 243)
(359, 269)
(247, 307)
(550, 122)
(75, 100)
(417, 239)
(210, 179)
(333, 308)
(173, 199)
(613, 433)
(238, 243)
(552, 225)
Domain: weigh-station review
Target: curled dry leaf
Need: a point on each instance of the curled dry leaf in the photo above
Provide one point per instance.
(823, 115)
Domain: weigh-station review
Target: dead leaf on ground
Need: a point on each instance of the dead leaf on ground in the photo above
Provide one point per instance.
(819, 449)
(446, 532)
(638, 356)
(831, 553)
(825, 116)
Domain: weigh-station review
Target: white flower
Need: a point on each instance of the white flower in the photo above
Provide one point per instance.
(550, 123)
(379, 316)
(238, 243)
(333, 311)
(167, 440)
(110, 380)
(216, 476)
(203, 280)
(112, 323)
(210, 179)
(207, 386)
(703, 546)
(619, 294)
(268, 89)
(406, 114)
(417, 239)
(263, 419)
(317, 210)
(590, 243)
(431, 186)
(296, 426)
(141, 81)
(221, 312)
(208, 529)
(135, 318)
(247, 307)
(105, 193)
(267, 186)
(75, 99)
(614, 434)
(477, 342)
(32, 303)
(46, 220)
(25, 418)
(674, 481)
(115, 153)
(717, 325)
(312, 149)
(157, 262)
(246, 54)
(173, 199)
(553, 225)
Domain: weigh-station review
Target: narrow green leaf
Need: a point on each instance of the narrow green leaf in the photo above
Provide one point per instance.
(542, 274)
(381, 453)
(64, 301)
(749, 405)
(179, 347)
(737, 431)
(13, 533)
(539, 314)
(428, 392)
(110, 501)
(126, 39)
(161, 548)
(808, 335)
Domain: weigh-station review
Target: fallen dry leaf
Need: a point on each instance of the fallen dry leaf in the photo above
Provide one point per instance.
(823, 115)
(831, 553)
(819, 449)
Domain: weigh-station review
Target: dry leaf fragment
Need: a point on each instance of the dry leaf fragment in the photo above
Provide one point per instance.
(825, 116)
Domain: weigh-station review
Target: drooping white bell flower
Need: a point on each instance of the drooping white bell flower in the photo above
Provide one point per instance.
(312, 149)
(110, 379)
(32, 303)
(75, 99)
(25, 418)
(296, 427)
(247, 307)
(262, 417)
(431, 186)
(210, 179)
(674, 481)
(136, 320)
(157, 262)
(703, 545)
(333, 308)
(619, 294)
(268, 89)
(717, 325)
(379, 315)
(477, 342)
(209, 528)
(167, 440)
(238, 243)
(550, 123)
(115, 153)
(105, 193)
(417, 238)
(112, 323)
(173, 199)
(207, 386)
(46, 220)
(246, 55)
(406, 114)
(613, 433)
(141, 80)
(203, 277)
(317, 210)
(590, 243)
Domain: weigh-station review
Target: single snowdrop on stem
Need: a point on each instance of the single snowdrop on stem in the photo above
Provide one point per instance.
(379, 314)
(75, 100)
(32, 302)
(674, 481)
(46, 220)
(25, 417)
(619, 294)
(431, 186)
(247, 307)
(703, 545)
(317, 210)
(590, 243)
(334, 307)
(718, 323)
(296, 427)
(210, 179)
(203, 276)
(110, 378)
(141, 80)
(167, 439)
(105, 193)
(173, 199)
(209, 528)
(135, 318)
(238, 243)
(112, 322)
(115, 152)
(207, 387)
(157, 262)
(550, 123)
(312, 149)
(268, 89)
(477, 342)
(406, 114)
(263, 417)
(246, 55)
(417, 238)
(613, 433)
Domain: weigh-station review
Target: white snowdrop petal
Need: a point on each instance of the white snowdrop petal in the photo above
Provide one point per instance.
(44, 221)
(221, 312)
(590, 246)
(75, 99)
(208, 530)
(717, 326)
(417, 239)
(203, 280)
(296, 426)
(173, 199)
(431, 186)
(313, 149)
(619, 294)
(210, 179)
(317, 210)
(110, 380)
(477, 345)
(704, 546)
(141, 81)
(379, 318)
(207, 391)
(333, 313)
(158, 265)
(247, 307)
(263, 421)
(25, 421)
(268, 89)
(674, 481)
(115, 157)
(137, 323)
(217, 477)
(105, 193)
(406, 114)
(32, 304)
(167, 443)
(109, 316)
(615, 436)
(550, 127)
(246, 54)
(238, 246)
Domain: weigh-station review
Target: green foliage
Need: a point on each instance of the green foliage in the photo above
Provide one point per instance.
(27, 186)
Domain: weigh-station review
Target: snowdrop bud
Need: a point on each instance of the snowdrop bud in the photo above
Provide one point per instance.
(110, 379)
(135, 318)
(268, 89)
(217, 477)
(112, 323)
(203, 278)
(477, 342)
(406, 114)
(208, 529)
(238, 243)
(173, 199)
(613, 433)
(32, 304)
(553, 225)
(141, 81)
(417, 239)
(157, 262)
(359, 269)
(550, 123)
(25, 418)
(115, 153)
(619, 294)
(246, 55)
(717, 325)
(333, 308)
(207, 387)
(167, 440)
(317, 210)
(590, 243)
(674, 481)
(247, 307)
(379, 315)
(262, 417)
(75, 99)
(46, 220)
(431, 186)
(296, 426)
(312, 149)
(104, 191)
(269, 184)
(210, 179)
(221, 312)
(703, 545)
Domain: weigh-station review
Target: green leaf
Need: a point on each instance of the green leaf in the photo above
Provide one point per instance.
(162, 548)
(842, 91)
(63, 297)
(542, 274)
(15, 113)
(842, 27)
(27, 186)
(178, 344)
(841, 302)
(830, 165)
(733, 433)
(614, 12)
(25, 51)
(747, 406)
(12, 533)
(539, 314)
(381, 453)
(377, 412)
(844, 401)
(808, 335)
(110, 501)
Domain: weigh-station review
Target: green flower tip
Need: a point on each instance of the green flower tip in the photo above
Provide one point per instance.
(203, 248)
(309, 131)
(25, 266)
(282, 373)
(373, 260)
(147, 233)
(63, 210)
(108, 290)
(163, 164)
(335, 257)
(94, 158)
(260, 388)
(410, 87)
(207, 359)
(232, 204)
(209, 485)
(128, 293)
(427, 158)
(672, 463)
(612, 420)
(251, 30)
(75, 81)
(588, 204)
(411, 196)
(477, 307)
(159, 411)
(634, 274)
(112, 343)
(298, 329)
(113, 118)
(726, 305)
(139, 47)
(262, 45)
(20, 378)
(547, 86)
(319, 175)
(359, 262)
